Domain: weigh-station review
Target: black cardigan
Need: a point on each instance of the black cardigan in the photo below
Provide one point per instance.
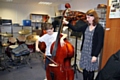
(98, 36)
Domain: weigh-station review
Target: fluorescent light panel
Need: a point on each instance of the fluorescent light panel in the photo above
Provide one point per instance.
(9, 0)
(47, 3)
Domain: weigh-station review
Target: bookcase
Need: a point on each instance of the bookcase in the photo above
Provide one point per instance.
(38, 19)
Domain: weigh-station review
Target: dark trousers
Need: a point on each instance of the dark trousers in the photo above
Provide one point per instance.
(88, 75)
(47, 62)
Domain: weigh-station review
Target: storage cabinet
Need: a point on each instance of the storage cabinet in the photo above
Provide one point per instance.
(38, 19)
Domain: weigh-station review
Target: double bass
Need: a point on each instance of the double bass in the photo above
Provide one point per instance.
(45, 19)
(74, 16)
(60, 67)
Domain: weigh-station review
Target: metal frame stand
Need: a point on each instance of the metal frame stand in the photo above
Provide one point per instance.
(75, 57)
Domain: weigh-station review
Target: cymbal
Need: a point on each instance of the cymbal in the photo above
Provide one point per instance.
(5, 44)
(32, 37)
(6, 34)
(24, 31)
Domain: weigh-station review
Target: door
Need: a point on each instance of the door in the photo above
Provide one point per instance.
(111, 39)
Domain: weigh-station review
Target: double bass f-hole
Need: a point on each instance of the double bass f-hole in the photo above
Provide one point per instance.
(61, 68)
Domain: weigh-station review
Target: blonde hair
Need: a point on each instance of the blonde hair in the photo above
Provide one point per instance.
(93, 13)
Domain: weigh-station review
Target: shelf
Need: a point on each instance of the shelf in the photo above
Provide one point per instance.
(37, 19)
(102, 15)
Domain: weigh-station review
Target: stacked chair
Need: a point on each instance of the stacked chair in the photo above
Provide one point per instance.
(21, 55)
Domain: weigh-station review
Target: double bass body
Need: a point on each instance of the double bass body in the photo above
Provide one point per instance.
(63, 70)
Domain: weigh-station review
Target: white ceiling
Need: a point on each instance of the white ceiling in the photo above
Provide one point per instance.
(36, 1)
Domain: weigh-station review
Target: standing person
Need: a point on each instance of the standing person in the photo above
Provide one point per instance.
(55, 23)
(92, 43)
(49, 38)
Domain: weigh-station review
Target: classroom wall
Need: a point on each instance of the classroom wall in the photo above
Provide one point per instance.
(18, 12)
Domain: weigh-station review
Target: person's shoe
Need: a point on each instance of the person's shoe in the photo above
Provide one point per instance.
(45, 79)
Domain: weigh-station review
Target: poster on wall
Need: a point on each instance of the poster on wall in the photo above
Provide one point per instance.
(114, 9)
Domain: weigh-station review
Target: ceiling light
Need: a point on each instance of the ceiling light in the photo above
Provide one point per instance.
(47, 3)
(9, 0)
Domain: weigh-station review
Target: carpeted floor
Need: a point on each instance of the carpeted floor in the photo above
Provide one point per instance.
(26, 73)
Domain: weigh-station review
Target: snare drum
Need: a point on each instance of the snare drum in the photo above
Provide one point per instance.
(31, 46)
(13, 46)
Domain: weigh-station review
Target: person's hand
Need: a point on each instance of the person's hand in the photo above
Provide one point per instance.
(44, 58)
(37, 49)
(65, 22)
(94, 59)
(62, 42)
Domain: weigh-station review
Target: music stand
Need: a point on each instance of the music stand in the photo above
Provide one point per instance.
(77, 35)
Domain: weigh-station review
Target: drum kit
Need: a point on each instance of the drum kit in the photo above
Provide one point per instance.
(7, 39)
(30, 38)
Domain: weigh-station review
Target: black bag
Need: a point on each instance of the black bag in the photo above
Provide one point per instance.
(111, 70)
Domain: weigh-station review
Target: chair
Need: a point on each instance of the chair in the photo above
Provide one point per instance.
(20, 55)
